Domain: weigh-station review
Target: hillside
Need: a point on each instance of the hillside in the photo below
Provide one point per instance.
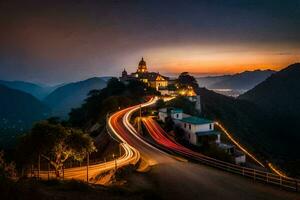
(262, 132)
(279, 93)
(18, 110)
(240, 81)
(72, 95)
(35, 90)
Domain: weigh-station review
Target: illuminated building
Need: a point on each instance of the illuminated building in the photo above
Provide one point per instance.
(152, 79)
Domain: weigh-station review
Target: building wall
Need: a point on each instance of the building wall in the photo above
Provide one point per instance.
(165, 92)
(157, 84)
(199, 128)
(240, 159)
(162, 116)
(176, 115)
(191, 129)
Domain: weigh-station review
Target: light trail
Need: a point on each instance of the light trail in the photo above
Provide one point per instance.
(130, 155)
(276, 170)
(239, 145)
(79, 173)
(160, 136)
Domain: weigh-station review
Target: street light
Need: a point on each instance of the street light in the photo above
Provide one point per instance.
(115, 158)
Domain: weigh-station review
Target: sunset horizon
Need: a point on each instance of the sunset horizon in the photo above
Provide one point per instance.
(68, 41)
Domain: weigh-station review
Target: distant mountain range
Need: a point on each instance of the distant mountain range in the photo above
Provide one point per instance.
(240, 81)
(72, 95)
(37, 90)
(16, 105)
(18, 110)
(23, 103)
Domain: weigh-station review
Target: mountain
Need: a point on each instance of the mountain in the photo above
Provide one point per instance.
(18, 110)
(241, 81)
(265, 118)
(72, 95)
(280, 93)
(268, 135)
(36, 90)
(207, 81)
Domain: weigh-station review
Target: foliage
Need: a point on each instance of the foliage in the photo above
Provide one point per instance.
(255, 128)
(115, 95)
(7, 170)
(186, 105)
(160, 103)
(18, 110)
(185, 79)
(55, 143)
(213, 151)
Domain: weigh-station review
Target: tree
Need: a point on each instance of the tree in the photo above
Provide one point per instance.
(160, 103)
(99, 102)
(186, 105)
(185, 79)
(7, 170)
(56, 144)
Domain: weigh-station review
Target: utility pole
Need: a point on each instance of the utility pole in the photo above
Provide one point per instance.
(140, 120)
(63, 171)
(115, 158)
(48, 170)
(87, 166)
(39, 165)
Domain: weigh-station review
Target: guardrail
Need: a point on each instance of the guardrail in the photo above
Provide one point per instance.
(256, 175)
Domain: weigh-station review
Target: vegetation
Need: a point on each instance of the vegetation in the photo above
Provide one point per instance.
(186, 105)
(18, 110)
(114, 96)
(7, 170)
(72, 95)
(279, 98)
(184, 80)
(29, 189)
(55, 143)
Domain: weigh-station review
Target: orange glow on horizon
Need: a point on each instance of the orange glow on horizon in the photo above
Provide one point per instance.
(219, 60)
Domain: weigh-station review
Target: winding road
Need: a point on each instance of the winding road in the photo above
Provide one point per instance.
(174, 179)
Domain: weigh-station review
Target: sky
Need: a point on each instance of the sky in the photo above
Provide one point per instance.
(61, 41)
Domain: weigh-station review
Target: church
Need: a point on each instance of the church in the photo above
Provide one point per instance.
(153, 79)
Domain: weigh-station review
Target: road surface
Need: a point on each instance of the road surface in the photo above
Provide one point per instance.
(173, 179)
(129, 156)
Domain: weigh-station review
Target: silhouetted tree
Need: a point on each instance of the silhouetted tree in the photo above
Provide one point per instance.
(185, 79)
(160, 103)
(56, 144)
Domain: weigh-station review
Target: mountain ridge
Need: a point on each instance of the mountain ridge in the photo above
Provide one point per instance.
(240, 81)
(72, 95)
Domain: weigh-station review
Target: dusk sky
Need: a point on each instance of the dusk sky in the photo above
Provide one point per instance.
(59, 42)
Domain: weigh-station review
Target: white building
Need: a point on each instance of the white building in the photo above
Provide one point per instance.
(238, 156)
(197, 130)
(174, 113)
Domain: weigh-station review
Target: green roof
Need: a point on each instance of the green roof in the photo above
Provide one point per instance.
(196, 120)
(176, 110)
(172, 110)
(208, 133)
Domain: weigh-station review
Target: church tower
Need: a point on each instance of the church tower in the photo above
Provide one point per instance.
(124, 73)
(142, 68)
